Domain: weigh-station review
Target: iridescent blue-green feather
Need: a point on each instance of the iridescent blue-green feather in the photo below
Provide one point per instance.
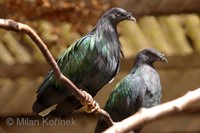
(89, 63)
(123, 101)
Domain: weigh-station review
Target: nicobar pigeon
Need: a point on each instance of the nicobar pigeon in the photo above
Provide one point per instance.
(140, 88)
(90, 63)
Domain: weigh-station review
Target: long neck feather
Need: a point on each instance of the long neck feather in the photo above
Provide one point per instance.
(108, 30)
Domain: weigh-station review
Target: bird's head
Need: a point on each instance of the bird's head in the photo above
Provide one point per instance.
(116, 15)
(150, 55)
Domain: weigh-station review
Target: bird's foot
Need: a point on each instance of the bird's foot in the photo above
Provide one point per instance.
(90, 103)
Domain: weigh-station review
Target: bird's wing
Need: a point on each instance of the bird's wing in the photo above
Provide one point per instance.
(127, 98)
(74, 59)
(73, 64)
(69, 62)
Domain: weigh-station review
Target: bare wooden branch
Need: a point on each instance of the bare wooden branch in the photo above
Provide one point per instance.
(144, 116)
(84, 97)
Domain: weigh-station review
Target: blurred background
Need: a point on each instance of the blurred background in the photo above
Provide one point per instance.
(171, 26)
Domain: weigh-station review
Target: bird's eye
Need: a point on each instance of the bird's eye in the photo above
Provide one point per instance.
(146, 58)
(118, 13)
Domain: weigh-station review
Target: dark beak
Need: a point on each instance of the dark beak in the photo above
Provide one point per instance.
(163, 58)
(130, 17)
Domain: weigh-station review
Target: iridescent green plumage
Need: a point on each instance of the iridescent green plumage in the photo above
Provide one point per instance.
(140, 88)
(89, 63)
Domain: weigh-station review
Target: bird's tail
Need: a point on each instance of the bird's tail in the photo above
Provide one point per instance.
(65, 107)
(37, 107)
(47, 101)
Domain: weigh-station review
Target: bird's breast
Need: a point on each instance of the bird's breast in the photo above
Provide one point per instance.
(153, 93)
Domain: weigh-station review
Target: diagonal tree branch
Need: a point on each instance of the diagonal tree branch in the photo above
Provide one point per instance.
(84, 97)
(144, 116)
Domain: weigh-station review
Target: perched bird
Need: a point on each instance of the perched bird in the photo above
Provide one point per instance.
(140, 88)
(90, 63)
